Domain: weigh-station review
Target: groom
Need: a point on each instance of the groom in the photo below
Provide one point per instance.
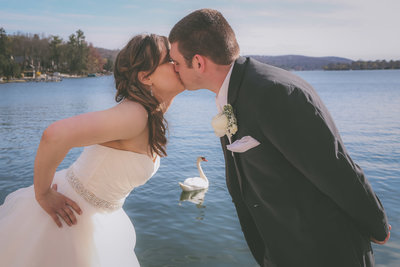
(300, 199)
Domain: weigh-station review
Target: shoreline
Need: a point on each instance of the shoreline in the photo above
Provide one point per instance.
(52, 78)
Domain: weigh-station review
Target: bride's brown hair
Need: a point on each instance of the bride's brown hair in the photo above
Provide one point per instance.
(143, 53)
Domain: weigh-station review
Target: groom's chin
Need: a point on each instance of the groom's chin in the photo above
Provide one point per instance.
(192, 88)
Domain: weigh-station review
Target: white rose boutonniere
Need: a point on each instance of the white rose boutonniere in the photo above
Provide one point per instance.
(225, 123)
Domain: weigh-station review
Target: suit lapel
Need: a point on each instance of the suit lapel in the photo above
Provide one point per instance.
(236, 79)
(233, 92)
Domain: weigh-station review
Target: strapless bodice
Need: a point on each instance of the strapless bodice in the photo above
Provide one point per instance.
(106, 176)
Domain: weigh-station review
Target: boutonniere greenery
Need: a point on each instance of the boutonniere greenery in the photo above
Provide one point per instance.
(224, 123)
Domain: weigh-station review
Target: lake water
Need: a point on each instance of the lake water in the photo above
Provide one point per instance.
(172, 231)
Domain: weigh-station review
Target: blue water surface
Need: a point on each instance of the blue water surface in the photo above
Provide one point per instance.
(171, 230)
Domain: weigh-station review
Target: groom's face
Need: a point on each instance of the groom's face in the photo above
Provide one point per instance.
(188, 75)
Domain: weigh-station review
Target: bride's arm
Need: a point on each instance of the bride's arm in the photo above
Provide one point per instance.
(123, 121)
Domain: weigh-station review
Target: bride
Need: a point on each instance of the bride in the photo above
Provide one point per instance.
(73, 217)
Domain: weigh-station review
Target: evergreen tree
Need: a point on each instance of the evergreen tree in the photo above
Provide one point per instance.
(3, 51)
(55, 52)
(109, 66)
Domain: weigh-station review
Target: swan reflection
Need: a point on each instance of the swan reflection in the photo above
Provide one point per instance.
(196, 197)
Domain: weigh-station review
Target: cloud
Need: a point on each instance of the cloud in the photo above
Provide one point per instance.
(24, 18)
(76, 16)
(130, 6)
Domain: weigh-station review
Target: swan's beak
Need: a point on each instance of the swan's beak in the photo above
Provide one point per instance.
(204, 159)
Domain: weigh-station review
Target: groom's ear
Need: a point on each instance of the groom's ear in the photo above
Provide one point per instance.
(144, 78)
(199, 62)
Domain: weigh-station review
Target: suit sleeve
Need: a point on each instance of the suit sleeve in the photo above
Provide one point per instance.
(299, 125)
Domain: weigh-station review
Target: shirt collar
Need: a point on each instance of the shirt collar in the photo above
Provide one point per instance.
(222, 98)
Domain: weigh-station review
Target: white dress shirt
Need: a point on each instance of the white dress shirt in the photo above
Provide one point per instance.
(222, 98)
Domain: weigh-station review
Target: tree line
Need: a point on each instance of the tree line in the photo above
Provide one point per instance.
(21, 52)
(364, 65)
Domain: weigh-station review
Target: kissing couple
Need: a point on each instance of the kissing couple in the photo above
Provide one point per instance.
(299, 197)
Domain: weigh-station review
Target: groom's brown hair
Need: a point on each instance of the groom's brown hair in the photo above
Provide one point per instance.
(205, 32)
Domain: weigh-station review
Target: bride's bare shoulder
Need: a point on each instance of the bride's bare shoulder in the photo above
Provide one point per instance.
(132, 107)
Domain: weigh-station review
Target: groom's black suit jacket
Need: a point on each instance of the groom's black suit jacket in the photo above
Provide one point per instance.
(300, 199)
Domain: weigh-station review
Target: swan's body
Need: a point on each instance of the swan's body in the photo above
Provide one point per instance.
(196, 183)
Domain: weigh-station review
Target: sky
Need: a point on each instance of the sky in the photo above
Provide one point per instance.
(354, 29)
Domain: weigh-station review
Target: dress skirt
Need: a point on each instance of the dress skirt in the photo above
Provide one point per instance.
(30, 237)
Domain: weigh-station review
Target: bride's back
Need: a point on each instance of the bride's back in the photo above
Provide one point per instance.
(110, 174)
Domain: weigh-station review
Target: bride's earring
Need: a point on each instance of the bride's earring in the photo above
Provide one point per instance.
(151, 90)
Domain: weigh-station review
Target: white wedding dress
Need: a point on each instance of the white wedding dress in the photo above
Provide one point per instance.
(99, 181)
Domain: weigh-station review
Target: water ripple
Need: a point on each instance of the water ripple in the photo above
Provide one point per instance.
(175, 232)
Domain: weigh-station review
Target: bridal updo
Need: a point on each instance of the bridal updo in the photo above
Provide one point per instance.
(143, 53)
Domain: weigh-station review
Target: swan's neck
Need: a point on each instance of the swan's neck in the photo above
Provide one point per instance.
(202, 175)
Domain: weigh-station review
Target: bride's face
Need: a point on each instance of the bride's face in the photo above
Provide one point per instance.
(165, 81)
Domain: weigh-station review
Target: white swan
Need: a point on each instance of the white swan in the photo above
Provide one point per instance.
(196, 183)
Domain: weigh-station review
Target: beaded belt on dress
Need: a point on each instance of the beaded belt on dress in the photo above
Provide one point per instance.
(89, 196)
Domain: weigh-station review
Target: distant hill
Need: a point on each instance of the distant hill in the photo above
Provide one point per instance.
(288, 62)
(108, 53)
(297, 62)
